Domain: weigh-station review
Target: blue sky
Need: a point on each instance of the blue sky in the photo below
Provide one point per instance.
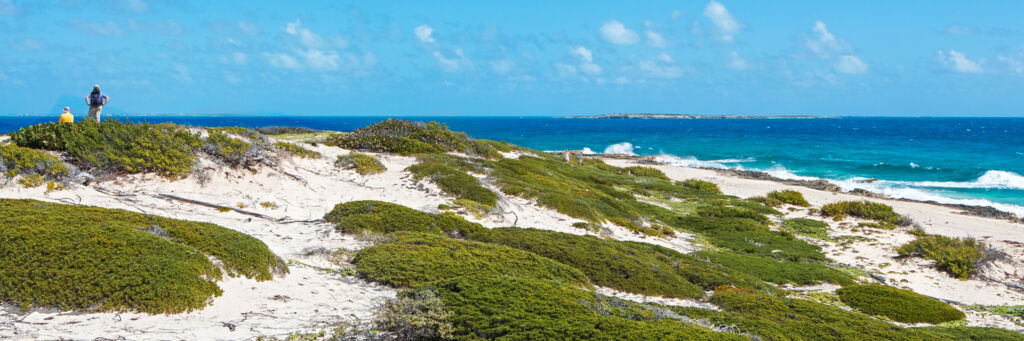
(942, 58)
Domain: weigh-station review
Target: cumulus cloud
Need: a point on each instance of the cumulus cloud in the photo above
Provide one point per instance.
(851, 65)
(617, 33)
(736, 62)
(283, 60)
(583, 53)
(320, 60)
(586, 60)
(306, 37)
(565, 70)
(824, 43)
(724, 22)
(958, 61)
(457, 63)
(423, 33)
(248, 28)
(661, 66)
(655, 39)
(1015, 65)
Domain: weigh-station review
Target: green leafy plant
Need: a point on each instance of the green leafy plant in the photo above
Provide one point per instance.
(296, 150)
(408, 138)
(27, 161)
(778, 272)
(778, 198)
(414, 315)
(90, 258)
(414, 258)
(898, 304)
(867, 210)
(807, 227)
(454, 182)
(382, 217)
(702, 185)
(361, 163)
(958, 256)
(646, 171)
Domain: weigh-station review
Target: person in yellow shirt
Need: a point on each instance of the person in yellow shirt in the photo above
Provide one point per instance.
(67, 117)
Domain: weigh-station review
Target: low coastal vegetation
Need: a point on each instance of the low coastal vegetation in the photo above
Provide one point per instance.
(779, 198)
(881, 213)
(646, 171)
(454, 182)
(296, 150)
(382, 218)
(415, 258)
(409, 138)
(29, 162)
(958, 256)
(898, 304)
(361, 163)
(778, 272)
(702, 186)
(816, 229)
(89, 258)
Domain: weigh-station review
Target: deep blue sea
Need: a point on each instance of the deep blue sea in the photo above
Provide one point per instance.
(974, 161)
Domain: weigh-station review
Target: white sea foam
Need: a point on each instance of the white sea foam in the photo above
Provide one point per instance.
(620, 148)
(688, 161)
(781, 172)
(914, 165)
(991, 179)
(900, 192)
(587, 151)
(748, 159)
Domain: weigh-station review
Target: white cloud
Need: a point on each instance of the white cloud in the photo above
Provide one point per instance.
(617, 33)
(182, 74)
(459, 63)
(318, 60)
(248, 28)
(1015, 65)
(231, 78)
(283, 60)
(661, 66)
(677, 14)
(736, 62)
(138, 5)
(851, 65)
(958, 61)
(586, 60)
(655, 39)
(583, 53)
(590, 68)
(502, 67)
(306, 37)
(423, 32)
(824, 44)
(724, 22)
(565, 70)
(239, 58)
(7, 8)
(960, 30)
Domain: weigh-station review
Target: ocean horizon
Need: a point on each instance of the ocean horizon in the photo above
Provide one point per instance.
(970, 161)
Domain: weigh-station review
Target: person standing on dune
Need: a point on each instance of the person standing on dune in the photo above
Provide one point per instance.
(96, 100)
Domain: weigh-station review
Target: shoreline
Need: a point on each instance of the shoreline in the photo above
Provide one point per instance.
(825, 185)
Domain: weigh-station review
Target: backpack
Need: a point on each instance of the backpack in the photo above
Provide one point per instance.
(96, 99)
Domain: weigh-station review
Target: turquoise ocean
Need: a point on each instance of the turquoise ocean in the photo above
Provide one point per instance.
(972, 161)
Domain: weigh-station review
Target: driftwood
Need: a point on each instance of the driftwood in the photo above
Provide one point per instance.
(203, 203)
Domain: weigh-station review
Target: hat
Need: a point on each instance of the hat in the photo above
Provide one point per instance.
(67, 108)
(95, 86)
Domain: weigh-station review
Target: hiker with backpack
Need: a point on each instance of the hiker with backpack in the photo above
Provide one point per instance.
(96, 100)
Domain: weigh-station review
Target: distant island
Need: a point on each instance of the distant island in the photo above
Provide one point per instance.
(689, 117)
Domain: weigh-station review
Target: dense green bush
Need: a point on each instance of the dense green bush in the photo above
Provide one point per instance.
(522, 308)
(898, 304)
(778, 198)
(113, 146)
(220, 145)
(777, 318)
(90, 258)
(453, 181)
(412, 315)
(628, 266)
(382, 217)
(958, 256)
(702, 185)
(961, 333)
(747, 236)
(297, 150)
(407, 138)
(278, 130)
(361, 163)
(414, 258)
(866, 210)
(646, 171)
(778, 272)
(26, 161)
(816, 229)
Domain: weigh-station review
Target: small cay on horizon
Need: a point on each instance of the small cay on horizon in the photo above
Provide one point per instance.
(408, 230)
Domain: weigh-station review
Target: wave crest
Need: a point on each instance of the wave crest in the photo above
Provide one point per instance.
(620, 148)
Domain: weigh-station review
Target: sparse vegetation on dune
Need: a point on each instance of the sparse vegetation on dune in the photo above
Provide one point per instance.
(296, 150)
(778, 198)
(362, 163)
(90, 258)
(454, 182)
(778, 272)
(16, 161)
(409, 138)
(898, 304)
(382, 217)
(646, 171)
(702, 186)
(958, 256)
(415, 258)
(747, 236)
(807, 227)
(865, 210)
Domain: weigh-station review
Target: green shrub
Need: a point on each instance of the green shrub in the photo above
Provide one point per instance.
(628, 266)
(960, 333)
(361, 163)
(866, 210)
(31, 181)
(747, 236)
(90, 258)
(958, 256)
(898, 304)
(229, 149)
(413, 258)
(114, 147)
(646, 171)
(296, 150)
(778, 198)
(382, 217)
(702, 186)
(278, 130)
(414, 315)
(778, 272)
(807, 227)
(26, 161)
(522, 308)
(777, 318)
(453, 182)
(408, 138)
